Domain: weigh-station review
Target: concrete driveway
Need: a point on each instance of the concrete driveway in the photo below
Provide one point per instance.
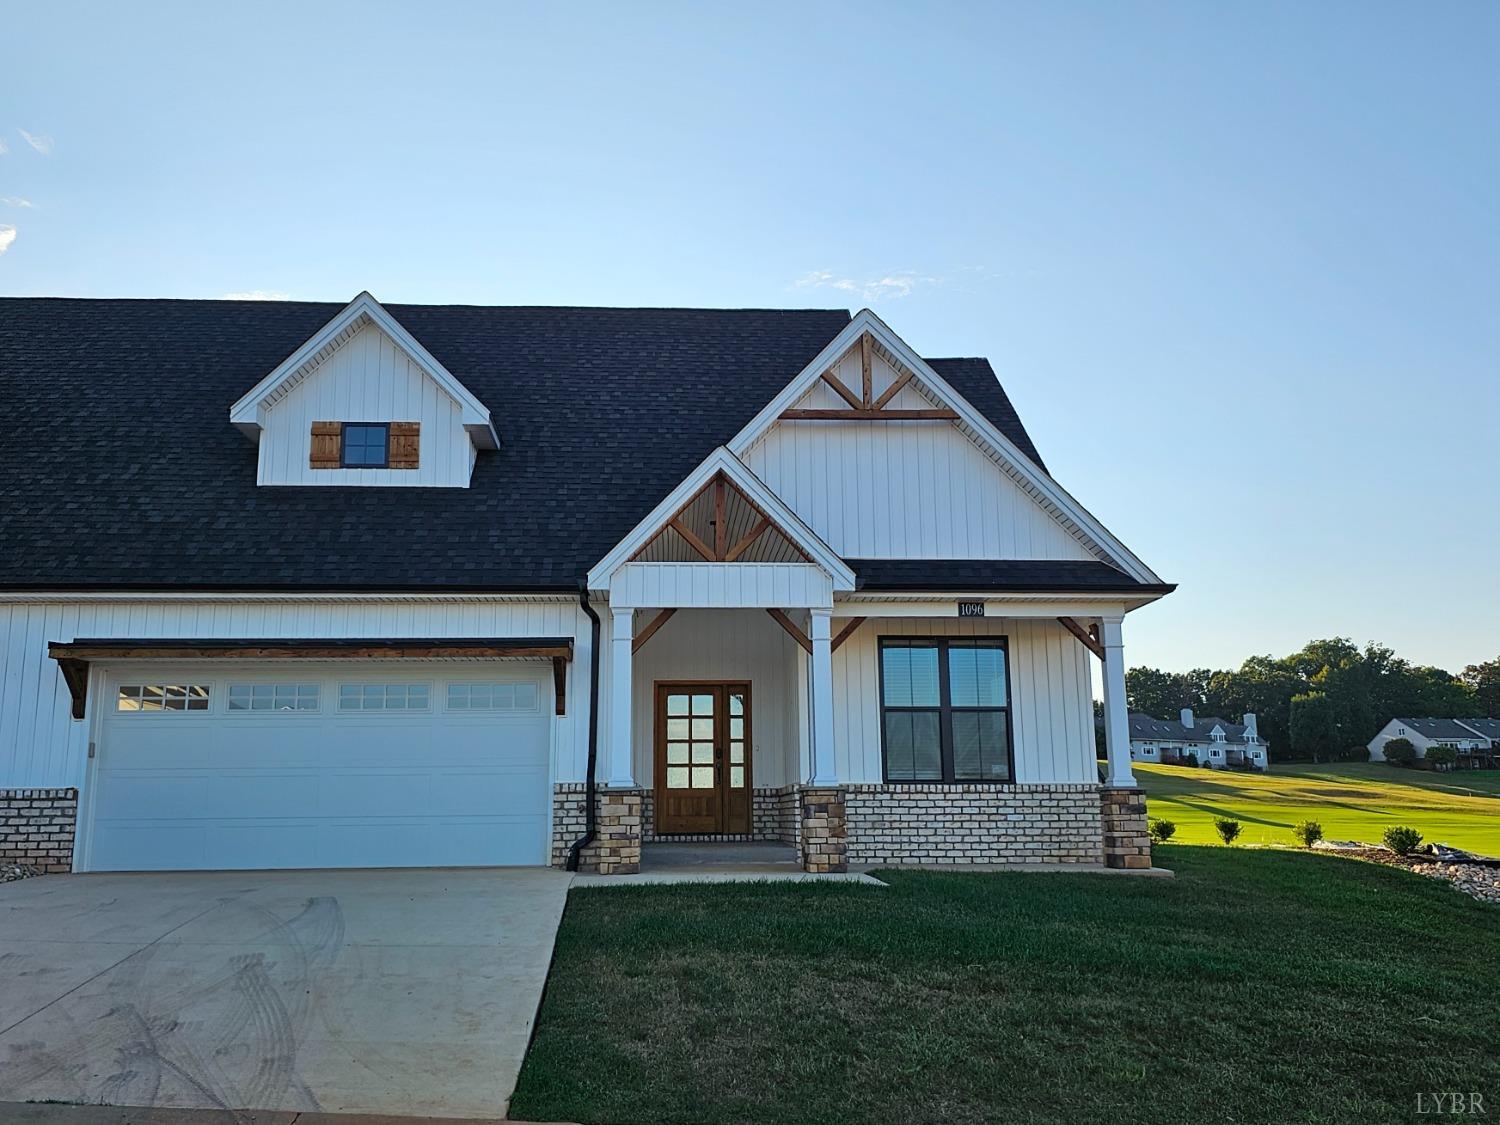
(398, 992)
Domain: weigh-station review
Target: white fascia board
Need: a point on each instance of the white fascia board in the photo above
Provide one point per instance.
(723, 461)
(248, 413)
(975, 423)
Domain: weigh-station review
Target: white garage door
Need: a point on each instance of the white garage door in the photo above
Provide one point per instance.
(353, 765)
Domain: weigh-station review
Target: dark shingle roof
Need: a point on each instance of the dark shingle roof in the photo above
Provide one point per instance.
(121, 468)
(1143, 726)
(1450, 728)
(996, 575)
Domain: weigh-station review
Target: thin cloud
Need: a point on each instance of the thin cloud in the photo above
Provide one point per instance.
(256, 295)
(7, 236)
(897, 283)
(4, 148)
(39, 141)
(15, 201)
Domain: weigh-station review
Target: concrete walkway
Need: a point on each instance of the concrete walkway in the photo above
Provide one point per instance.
(387, 992)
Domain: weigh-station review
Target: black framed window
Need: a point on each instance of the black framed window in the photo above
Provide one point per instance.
(945, 709)
(366, 445)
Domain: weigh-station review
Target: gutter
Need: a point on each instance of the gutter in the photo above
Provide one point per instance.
(591, 786)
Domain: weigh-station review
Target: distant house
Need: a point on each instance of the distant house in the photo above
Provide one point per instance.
(1476, 740)
(1213, 741)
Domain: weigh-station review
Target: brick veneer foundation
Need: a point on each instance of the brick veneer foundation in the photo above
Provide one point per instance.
(902, 823)
(36, 827)
(960, 824)
(823, 844)
(1126, 844)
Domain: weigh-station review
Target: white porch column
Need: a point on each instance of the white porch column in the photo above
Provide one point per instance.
(621, 658)
(1116, 717)
(824, 771)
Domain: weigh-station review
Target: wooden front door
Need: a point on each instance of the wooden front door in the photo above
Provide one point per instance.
(702, 758)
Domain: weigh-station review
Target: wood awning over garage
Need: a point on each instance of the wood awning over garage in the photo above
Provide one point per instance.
(74, 657)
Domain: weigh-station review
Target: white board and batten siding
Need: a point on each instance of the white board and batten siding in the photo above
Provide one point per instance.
(366, 379)
(41, 746)
(1052, 716)
(902, 490)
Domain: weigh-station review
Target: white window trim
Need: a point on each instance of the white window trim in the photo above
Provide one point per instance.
(317, 687)
(339, 707)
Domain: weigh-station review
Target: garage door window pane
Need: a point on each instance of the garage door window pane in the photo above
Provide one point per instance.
(383, 697)
(273, 697)
(492, 697)
(162, 697)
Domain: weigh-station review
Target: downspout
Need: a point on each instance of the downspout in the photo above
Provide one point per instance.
(590, 785)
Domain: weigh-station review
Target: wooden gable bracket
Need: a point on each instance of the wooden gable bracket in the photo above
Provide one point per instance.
(865, 407)
(802, 639)
(1089, 638)
(650, 630)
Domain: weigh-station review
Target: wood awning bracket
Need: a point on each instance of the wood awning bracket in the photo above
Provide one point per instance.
(780, 617)
(650, 630)
(1089, 638)
(846, 632)
(74, 657)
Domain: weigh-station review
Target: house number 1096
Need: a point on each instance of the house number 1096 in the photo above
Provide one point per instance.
(971, 609)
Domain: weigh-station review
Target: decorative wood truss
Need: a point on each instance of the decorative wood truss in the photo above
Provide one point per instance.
(719, 524)
(866, 406)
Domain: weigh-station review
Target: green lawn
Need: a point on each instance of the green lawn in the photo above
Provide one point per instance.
(1257, 986)
(1352, 801)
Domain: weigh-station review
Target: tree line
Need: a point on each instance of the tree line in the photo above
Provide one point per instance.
(1325, 702)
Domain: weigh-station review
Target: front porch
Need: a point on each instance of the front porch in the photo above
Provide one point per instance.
(721, 745)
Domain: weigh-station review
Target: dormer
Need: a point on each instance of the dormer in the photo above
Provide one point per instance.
(363, 403)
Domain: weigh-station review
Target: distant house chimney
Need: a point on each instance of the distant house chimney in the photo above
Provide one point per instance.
(1187, 717)
(1251, 730)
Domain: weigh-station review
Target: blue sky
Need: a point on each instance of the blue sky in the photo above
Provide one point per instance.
(1235, 263)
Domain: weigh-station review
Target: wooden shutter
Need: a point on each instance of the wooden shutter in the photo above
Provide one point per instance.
(326, 438)
(406, 440)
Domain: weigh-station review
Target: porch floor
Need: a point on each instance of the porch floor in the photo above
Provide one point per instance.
(719, 863)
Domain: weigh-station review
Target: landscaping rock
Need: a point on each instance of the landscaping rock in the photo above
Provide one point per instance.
(10, 872)
(1477, 879)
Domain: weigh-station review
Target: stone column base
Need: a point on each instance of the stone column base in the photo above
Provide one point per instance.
(617, 841)
(823, 836)
(1126, 843)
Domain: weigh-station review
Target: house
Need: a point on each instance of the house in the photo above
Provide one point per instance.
(296, 585)
(1212, 741)
(1476, 740)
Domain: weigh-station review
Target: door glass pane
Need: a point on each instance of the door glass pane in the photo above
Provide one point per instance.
(703, 705)
(737, 728)
(677, 753)
(677, 777)
(736, 703)
(736, 777)
(677, 728)
(736, 752)
(703, 777)
(703, 729)
(910, 676)
(703, 753)
(677, 705)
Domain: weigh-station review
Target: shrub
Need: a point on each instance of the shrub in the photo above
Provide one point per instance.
(1401, 839)
(1400, 752)
(1160, 830)
(1190, 758)
(1308, 831)
(1228, 829)
(1442, 757)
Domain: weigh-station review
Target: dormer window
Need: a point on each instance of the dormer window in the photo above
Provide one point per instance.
(366, 445)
